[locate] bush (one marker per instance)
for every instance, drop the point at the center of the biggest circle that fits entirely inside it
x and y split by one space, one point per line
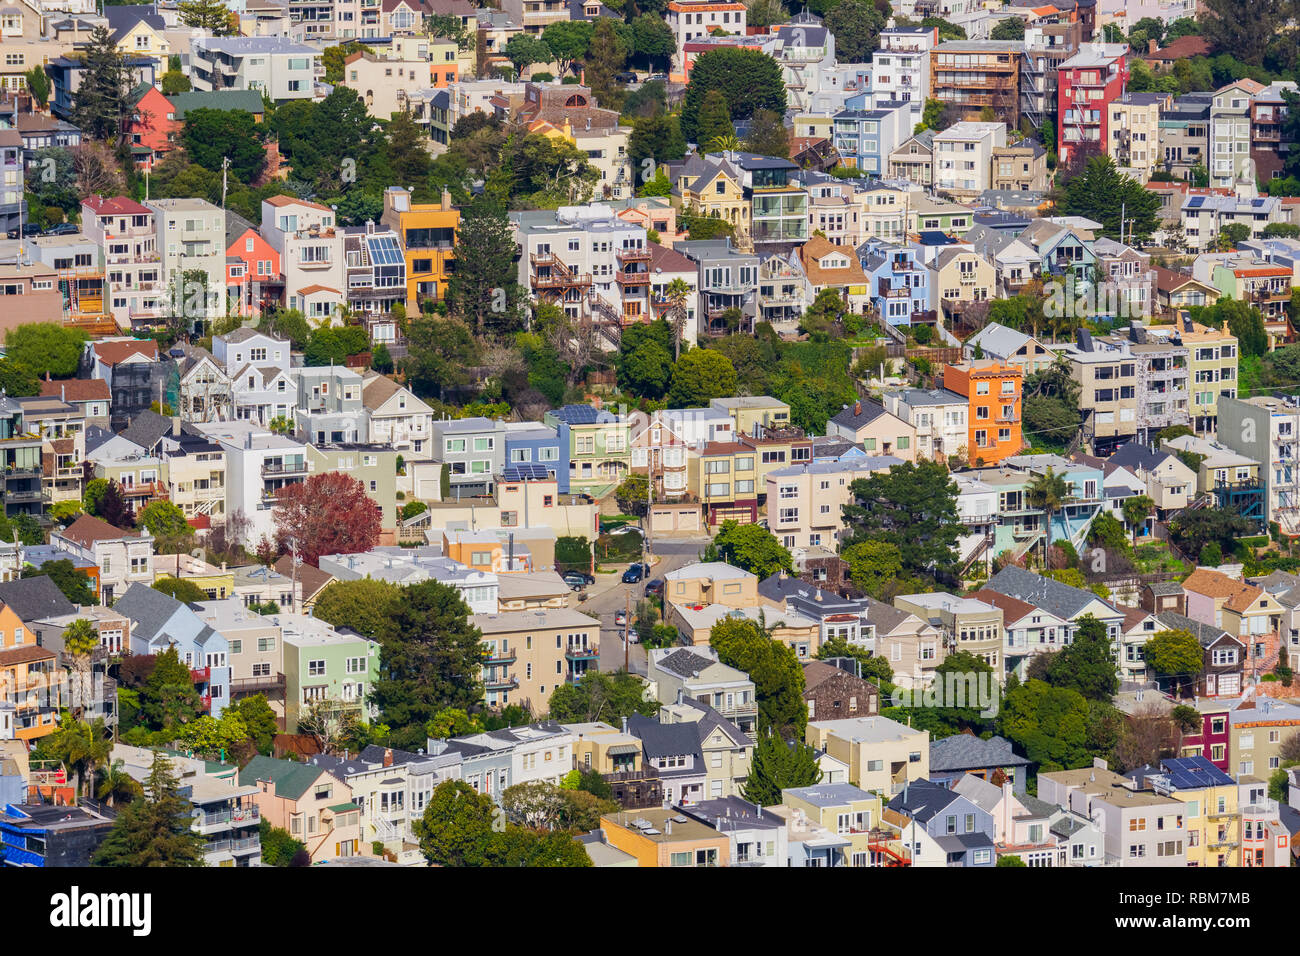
543 77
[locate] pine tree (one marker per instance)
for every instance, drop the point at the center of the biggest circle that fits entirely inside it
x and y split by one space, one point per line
154 830
715 120
606 57
211 15
100 103
777 766
483 289
407 157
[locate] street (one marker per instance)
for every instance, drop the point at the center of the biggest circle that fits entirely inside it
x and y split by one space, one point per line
609 594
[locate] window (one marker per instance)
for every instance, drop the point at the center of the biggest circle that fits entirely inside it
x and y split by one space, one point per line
315 668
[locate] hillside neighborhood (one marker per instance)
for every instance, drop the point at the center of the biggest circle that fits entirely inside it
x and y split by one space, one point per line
650 433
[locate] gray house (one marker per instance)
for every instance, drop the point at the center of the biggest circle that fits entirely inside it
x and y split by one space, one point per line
473 449
962 829
728 280
330 409
952 758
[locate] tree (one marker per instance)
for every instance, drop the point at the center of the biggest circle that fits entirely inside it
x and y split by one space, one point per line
1192 530
168 697
259 720
76 587
116 784
632 495
873 564
700 376
1136 511
1048 724
1087 663
601 696
645 363
101 102
1242 28
568 41
328 513
1100 192
678 293
914 508
753 548
173 82
715 120
457 827
524 49
483 290
772 666
856 25
653 41
278 847
154 830
80 746
80 641
748 79
210 15
605 58
430 658
1175 654
214 738
1009 859
182 590
768 135
210 136
779 765
1048 492
1008 28
516 847
360 605
38 84
44 348
166 522
110 504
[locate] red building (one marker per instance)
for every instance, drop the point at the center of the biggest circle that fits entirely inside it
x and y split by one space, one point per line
151 127
1087 83
1213 739
252 270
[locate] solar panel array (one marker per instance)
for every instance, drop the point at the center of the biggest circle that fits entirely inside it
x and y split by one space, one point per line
384 250
525 472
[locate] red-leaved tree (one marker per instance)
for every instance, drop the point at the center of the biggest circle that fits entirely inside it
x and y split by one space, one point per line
328 513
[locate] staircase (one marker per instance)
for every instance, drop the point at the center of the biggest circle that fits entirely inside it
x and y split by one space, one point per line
980 550
1024 547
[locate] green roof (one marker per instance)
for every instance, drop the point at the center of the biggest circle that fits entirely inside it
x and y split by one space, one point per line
343 807
291 779
250 101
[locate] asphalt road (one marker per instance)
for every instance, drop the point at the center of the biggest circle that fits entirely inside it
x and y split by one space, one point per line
609 595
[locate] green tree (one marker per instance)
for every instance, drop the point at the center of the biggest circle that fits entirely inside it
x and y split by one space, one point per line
457 826
430 658
1048 492
632 494
483 290
1008 28
753 548
605 58
80 746
914 508
214 738
210 15
1175 654
772 666
874 669
1100 192
154 830
1136 511
568 40
80 641
1010 859
102 100
439 352
174 82
715 120
76 587
700 376
44 348
38 84
210 136
1087 663
645 362
525 49
181 589
856 25
873 565
360 605
169 697
779 765
1048 724
259 720
278 847
166 522
748 79
1245 29
519 847
601 696
1193 530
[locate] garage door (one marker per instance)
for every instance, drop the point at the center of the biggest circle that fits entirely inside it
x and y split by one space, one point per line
1229 685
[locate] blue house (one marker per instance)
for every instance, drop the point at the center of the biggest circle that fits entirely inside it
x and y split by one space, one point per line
45 835
864 138
159 621
962 830
532 443
897 280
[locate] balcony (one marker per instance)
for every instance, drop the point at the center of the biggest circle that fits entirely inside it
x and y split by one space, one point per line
200 675
632 255
246 845
504 657
632 278
284 467
257 685
578 653
501 683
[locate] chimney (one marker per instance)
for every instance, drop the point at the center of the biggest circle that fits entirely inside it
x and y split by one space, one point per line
388 758
446 200
857 408
624 725
1151 46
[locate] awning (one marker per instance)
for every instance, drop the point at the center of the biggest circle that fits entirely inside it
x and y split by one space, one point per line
619 749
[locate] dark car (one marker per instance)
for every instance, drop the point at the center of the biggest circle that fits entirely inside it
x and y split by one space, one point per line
576 582
626 77
28 231
63 229
654 588
635 573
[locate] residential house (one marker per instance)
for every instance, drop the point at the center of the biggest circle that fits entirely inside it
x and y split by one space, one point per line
1140 828
953 759
882 755
942 827
833 692
310 804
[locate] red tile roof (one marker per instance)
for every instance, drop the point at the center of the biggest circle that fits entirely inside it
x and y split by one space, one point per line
117 206
76 389
110 353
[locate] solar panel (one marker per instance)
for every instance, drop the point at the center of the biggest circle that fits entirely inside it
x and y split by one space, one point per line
525 472
578 414
1196 202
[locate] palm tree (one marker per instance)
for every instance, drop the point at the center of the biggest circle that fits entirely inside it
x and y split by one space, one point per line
1048 491
1136 511
80 746
115 782
677 293
725 144
79 642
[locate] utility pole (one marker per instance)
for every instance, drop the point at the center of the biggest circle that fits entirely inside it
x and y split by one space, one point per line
225 165
627 633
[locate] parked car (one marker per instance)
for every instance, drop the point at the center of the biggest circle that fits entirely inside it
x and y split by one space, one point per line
625 77
28 231
654 588
635 573
657 77
630 636
576 582
63 229
620 618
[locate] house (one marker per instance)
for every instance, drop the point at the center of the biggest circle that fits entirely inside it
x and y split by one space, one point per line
132 370
325 669
1223 670
993 391
1245 611
1009 347
90 395
1140 828
882 754
310 804
1170 484
696 673
963 157
1213 819
674 751
852 816
397 418
942 827
1258 729
534 652
757 839
913 646
810 497
954 758
868 421
46 835
833 693
159 622
1068 603
124 558
277 66
726 752
1029 630
664 836
967 624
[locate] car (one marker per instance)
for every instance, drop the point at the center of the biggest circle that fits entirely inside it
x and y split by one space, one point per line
657 78
654 588
576 582
630 636
635 573
625 77
63 229
28 231
620 618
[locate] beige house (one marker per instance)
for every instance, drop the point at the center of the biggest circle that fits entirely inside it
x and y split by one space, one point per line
667 841
913 646
959 276
1020 167
1139 827
727 751
531 653
882 754
1134 127
1108 385
711 583
696 673
805 502
965 623
879 432
256 655
311 804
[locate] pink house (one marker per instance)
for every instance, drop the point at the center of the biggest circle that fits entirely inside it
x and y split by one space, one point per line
311 804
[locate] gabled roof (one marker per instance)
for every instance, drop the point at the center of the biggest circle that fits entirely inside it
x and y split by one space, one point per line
35 598
816 673
88 529
146 429
859 414
968 752
76 389
685 663
1238 595
1134 454
664 740
1061 599
921 800
111 353
116 205
291 779
1206 634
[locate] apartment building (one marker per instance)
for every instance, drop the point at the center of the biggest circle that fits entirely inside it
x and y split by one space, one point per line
902 66
966 623
1265 286
993 391
882 755
1134 128
1205 215
427 234
1266 429
805 502
1107 380
974 74
939 416
1019 167
311 248
693 19
534 652
190 236
866 138
279 67
1162 375
1141 828
728 279
1087 84
1212 357
1229 132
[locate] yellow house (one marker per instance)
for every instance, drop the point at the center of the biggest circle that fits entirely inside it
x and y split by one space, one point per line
428 233
882 754
850 813
961 276
818 127
1212 820
669 840
143 39
715 189
217 582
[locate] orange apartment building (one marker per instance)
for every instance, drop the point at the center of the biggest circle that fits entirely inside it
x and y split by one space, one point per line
993 392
